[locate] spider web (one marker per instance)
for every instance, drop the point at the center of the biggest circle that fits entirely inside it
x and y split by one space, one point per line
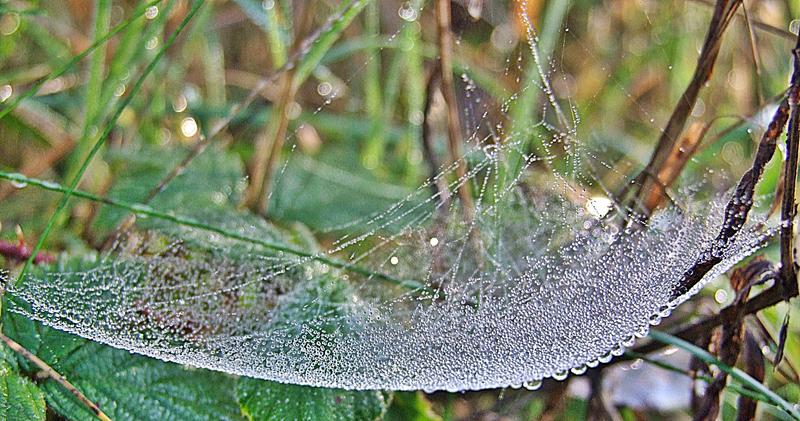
543 277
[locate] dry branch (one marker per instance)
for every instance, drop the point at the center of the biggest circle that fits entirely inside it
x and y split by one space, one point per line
723 13
50 373
268 147
678 157
789 207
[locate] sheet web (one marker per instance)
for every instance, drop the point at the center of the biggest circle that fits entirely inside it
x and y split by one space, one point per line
538 280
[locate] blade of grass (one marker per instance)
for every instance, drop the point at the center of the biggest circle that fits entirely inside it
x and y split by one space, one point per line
414 92
312 52
454 137
131 47
740 376
104 135
269 20
145 210
97 67
278 37
485 78
92 105
523 108
734 387
70 64
372 155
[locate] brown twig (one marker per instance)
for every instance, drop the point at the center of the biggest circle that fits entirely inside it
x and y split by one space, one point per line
599 407
438 184
678 157
723 12
445 38
50 373
753 364
767 341
270 142
259 86
789 207
698 370
555 401
729 343
698 329
739 206
268 147
754 52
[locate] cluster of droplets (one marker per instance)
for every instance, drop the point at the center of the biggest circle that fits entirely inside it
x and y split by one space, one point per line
527 284
497 305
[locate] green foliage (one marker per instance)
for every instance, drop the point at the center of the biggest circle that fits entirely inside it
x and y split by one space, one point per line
737 374
132 387
124 385
267 401
212 181
20 399
411 406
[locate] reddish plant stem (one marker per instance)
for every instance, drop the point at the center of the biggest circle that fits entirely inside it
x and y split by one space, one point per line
20 252
448 90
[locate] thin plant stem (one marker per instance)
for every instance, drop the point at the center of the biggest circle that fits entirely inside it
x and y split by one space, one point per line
737 374
50 373
145 210
723 13
311 52
454 139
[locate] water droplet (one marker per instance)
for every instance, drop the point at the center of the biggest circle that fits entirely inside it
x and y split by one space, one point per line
532 385
189 127
579 370
5 92
151 12
151 43
324 89
407 12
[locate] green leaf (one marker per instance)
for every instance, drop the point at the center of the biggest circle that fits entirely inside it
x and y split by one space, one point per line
133 387
411 406
125 386
20 399
210 182
265 401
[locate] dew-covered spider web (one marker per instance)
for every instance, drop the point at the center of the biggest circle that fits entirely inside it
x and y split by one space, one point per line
546 272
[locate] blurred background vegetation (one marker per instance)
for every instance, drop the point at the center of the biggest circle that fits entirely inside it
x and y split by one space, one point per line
354 117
